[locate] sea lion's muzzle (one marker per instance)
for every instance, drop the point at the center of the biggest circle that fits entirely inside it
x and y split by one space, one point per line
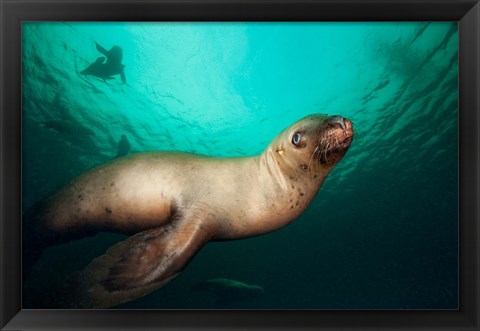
337 122
336 140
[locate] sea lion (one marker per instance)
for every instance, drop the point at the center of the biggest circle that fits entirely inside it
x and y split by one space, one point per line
228 291
174 203
123 146
68 127
113 65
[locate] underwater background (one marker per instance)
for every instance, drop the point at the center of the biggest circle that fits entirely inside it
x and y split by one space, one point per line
381 233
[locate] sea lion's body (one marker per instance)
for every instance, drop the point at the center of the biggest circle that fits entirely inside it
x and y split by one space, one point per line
175 203
145 190
108 66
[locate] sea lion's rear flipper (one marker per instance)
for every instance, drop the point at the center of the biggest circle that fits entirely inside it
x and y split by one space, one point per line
136 266
122 75
101 49
94 67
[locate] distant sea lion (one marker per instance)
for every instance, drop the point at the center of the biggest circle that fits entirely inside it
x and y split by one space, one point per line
106 70
123 146
68 127
174 203
227 291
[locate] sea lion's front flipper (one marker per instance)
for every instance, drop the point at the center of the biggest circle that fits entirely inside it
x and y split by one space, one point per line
136 266
122 75
101 49
155 255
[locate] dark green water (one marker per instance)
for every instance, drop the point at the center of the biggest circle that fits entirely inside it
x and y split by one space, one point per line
382 232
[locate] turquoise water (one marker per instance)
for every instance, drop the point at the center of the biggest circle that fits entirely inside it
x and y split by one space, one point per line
382 232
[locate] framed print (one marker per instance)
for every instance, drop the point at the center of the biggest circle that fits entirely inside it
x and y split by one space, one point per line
254 165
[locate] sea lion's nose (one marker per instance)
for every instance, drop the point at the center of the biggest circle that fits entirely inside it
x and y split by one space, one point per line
338 120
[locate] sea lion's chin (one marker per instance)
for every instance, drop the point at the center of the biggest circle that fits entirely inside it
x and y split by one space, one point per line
341 144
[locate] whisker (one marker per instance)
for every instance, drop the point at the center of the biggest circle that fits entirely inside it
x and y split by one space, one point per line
312 157
317 157
325 152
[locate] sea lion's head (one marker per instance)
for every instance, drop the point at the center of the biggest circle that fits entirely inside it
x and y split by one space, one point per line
315 144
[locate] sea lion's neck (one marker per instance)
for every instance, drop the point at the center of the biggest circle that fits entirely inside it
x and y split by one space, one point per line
268 164
286 193
285 171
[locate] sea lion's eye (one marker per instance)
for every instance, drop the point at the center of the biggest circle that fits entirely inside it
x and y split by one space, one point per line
296 139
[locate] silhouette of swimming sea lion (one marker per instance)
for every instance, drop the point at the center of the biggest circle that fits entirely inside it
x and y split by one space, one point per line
123 146
228 291
109 68
68 127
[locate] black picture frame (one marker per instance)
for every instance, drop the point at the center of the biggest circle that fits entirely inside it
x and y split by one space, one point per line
467 13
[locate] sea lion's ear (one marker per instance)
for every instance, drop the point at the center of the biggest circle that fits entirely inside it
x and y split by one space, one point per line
101 49
279 149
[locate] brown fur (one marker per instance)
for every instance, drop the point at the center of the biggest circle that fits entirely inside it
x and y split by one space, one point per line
175 203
